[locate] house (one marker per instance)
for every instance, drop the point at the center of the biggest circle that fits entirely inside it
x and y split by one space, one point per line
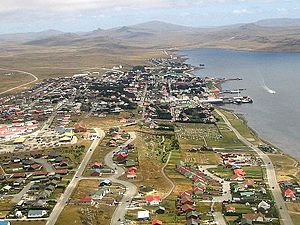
186 200
246 221
249 183
19 175
80 127
192 222
86 200
289 195
98 195
160 210
96 173
230 209
192 215
237 178
156 222
4 222
256 217
187 208
263 206
153 200
239 172
143 215
36 213
19 182
62 172
131 174
105 182
97 165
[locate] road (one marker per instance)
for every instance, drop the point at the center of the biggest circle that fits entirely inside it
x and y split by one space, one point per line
62 202
47 166
167 178
271 175
18 197
131 189
226 196
22 85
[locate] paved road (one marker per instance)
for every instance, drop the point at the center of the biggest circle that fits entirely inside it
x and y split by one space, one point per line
225 184
62 202
47 166
131 189
22 85
18 197
271 175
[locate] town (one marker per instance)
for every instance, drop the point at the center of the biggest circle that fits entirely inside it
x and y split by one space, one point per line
147 145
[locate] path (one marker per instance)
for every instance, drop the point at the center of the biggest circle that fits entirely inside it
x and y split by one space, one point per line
22 85
62 202
167 178
271 175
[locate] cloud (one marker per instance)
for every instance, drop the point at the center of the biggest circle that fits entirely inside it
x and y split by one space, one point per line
241 11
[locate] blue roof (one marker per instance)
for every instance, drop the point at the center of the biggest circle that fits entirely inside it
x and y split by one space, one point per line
3 222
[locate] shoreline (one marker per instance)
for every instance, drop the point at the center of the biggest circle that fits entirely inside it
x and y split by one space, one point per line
239 115
249 50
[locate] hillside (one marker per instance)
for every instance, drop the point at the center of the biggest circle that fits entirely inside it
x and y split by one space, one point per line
253 36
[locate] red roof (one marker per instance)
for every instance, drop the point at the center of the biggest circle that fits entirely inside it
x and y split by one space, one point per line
132 168
86 199
152 198
239 172
65 171
133 173
98 164
156 222
289 193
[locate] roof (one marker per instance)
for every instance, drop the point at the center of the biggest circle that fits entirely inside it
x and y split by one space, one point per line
3 222
19 140
143 214
239 172
86 199
152 198
156 222
289 193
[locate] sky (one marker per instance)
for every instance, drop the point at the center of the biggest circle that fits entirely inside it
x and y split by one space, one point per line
85 15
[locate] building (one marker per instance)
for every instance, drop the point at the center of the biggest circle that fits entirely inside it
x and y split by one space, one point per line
36 213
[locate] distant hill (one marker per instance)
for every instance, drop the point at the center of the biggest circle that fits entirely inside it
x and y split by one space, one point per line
24 37
281 22
272 34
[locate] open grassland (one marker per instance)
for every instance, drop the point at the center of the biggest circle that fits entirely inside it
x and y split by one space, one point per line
46 62
100 213
286 167
151 153
111 120
10 80
241 126
6 206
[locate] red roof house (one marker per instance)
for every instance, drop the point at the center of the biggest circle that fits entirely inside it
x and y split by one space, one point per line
156 222
153 200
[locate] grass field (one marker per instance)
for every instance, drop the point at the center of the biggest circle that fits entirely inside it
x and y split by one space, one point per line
13 80
150 152
45 62
100 213
286 167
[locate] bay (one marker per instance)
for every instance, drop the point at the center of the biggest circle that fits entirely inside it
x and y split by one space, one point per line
272 79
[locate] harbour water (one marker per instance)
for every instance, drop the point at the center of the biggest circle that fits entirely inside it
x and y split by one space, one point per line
272 79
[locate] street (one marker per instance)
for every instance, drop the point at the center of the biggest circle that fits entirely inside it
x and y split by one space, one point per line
271 175
62 202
